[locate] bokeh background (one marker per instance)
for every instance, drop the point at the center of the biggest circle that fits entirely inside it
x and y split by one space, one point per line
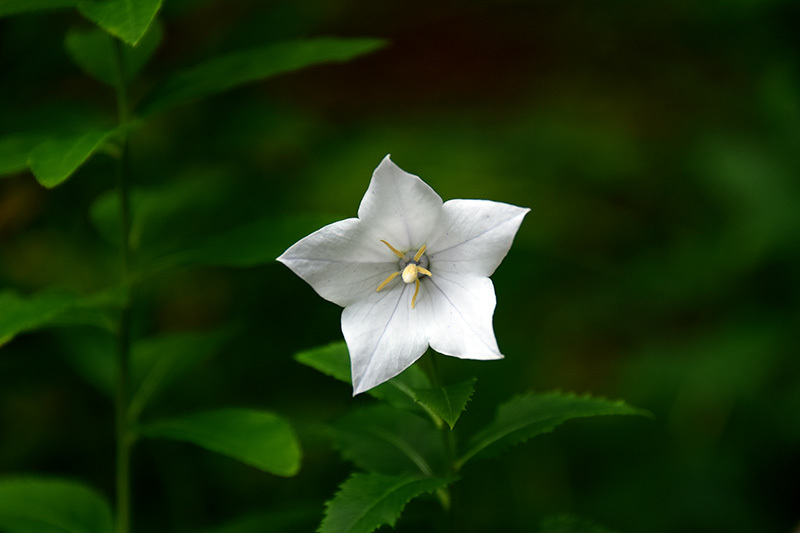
657 147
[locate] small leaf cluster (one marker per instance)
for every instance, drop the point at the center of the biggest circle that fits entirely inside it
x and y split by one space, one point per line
404 445
113 44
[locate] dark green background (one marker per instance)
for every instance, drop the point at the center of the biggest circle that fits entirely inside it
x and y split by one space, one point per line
657 147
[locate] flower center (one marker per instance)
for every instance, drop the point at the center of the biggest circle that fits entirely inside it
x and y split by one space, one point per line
411 268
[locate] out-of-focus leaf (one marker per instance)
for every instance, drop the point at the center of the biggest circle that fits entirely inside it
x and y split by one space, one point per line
447 402
571 524
235 69
256 243
93 51
289 518
126 19
15 7
15 151
40 505
92 353
159 214
390 441
157 361
334 360
257 438
48 308
55 160
529 415
367 501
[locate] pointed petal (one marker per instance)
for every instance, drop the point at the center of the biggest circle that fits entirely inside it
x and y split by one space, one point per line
461 322
400 207
384 335
475 236
338 264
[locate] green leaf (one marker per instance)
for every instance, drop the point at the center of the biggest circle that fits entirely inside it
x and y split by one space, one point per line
126 19
235 69
390 441
49 308
93 51
40 505
334 360
15 150
16 7
55 160
157 361
257 438
529 415
447 402
367 501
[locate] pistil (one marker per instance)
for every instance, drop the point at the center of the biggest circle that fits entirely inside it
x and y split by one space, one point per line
410 272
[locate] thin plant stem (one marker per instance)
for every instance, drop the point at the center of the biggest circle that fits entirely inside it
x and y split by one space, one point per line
448 441
123 433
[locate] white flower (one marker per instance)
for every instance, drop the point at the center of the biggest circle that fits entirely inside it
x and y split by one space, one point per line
410 272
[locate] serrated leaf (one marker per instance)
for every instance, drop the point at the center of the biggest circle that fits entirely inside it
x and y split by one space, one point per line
55 160
390 441
529 415
334 360
257 438
41 505
48 308
93 51
126 19
367 501
16 7
158 360
447 402
235 69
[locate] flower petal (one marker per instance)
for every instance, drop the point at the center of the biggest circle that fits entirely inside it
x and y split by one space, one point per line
337 262
400 207
384 335
460 323
475 236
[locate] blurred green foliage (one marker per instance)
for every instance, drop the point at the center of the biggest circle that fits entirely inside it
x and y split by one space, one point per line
656 145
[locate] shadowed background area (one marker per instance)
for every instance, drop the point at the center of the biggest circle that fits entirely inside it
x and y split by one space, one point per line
656 146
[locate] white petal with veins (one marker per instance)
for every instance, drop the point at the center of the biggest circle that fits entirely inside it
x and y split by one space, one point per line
475 236
406 239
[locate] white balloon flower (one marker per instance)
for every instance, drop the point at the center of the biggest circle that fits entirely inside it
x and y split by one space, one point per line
410 272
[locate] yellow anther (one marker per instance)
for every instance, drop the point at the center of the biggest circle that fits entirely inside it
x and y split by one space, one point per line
410 273
387 280
395 251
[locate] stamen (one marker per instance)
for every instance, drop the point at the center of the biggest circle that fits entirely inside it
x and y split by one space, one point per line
395 251
424 271
419 254
416 291
387 280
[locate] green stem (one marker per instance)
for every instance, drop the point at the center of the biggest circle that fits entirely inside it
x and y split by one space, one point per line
124 436
448 441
